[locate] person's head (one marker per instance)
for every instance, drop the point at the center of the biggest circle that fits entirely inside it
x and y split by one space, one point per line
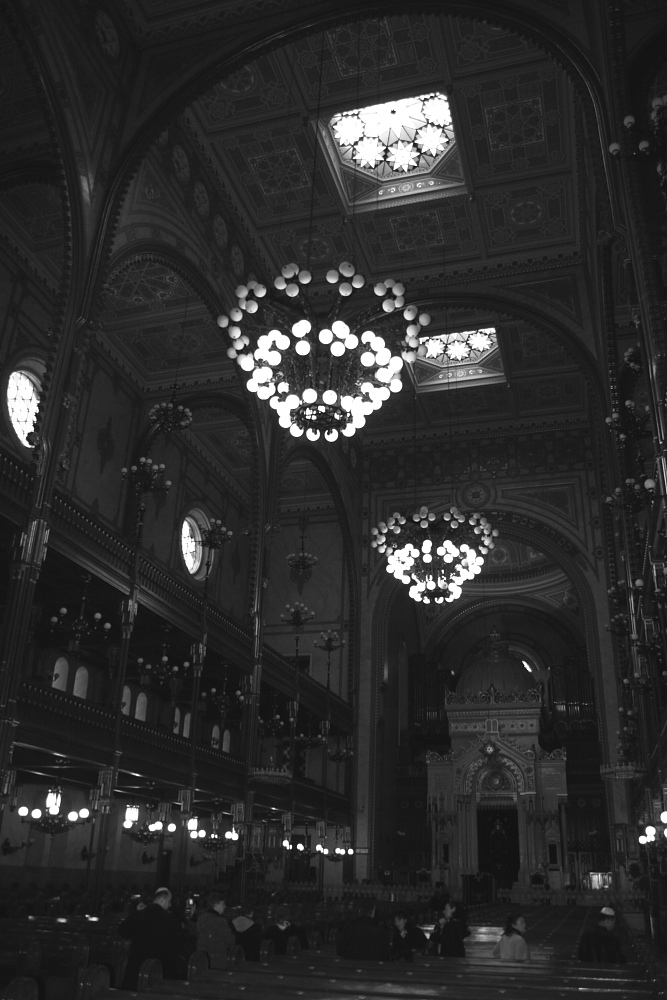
515 923
449 911
400 920
162 897
282 916
214 901
607 918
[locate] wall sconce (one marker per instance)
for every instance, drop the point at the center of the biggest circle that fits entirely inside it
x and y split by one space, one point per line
53 823
9 848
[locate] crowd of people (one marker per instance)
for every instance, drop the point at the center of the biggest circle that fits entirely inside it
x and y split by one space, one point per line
155 932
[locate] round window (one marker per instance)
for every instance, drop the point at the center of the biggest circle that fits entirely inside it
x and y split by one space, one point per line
191 544
23 393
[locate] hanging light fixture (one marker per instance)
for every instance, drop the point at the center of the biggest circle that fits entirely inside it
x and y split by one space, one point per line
434 554
301 563
322 373
167 417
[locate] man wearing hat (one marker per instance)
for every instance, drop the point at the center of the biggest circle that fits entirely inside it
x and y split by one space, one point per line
601 944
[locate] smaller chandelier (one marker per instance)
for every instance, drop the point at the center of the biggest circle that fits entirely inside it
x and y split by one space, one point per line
434 555
322 374
301 563
171 416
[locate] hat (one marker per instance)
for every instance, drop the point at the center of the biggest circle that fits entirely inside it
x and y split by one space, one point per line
607 911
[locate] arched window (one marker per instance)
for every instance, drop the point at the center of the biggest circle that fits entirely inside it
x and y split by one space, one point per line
141 706
60 674
215 737
226 741
23 389
176 726
186 725
125 701
80 683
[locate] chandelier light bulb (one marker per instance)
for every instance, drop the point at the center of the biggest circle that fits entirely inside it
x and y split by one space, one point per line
346 368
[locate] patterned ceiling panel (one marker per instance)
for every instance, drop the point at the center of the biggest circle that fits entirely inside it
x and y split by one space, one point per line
141 287
535 213
529 349
247 95
274 166
430 233
514 124
472 43
390 52
514 557
153 320
563 392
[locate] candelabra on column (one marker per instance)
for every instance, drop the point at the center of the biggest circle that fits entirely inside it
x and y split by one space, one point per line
297 617
146 478
213 538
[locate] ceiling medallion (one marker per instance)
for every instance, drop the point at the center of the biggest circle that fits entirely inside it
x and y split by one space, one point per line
432 554
323 374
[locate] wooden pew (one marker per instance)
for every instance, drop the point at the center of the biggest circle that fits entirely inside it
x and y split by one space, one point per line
19 988
385 981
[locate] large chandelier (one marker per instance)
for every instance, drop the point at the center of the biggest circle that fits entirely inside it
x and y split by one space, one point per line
323 374
434 554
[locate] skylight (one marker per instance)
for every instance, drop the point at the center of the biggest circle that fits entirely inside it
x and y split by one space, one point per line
395 138
463 346
464 357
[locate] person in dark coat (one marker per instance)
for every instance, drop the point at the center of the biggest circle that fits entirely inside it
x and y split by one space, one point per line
153 932
447 936
601 944
214 935
407 939
282 931
363 938
248 934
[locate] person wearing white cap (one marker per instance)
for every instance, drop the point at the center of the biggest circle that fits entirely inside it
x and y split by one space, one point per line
601 944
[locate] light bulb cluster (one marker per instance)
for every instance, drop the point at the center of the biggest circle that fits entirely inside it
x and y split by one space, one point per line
322 375
434 554
650 831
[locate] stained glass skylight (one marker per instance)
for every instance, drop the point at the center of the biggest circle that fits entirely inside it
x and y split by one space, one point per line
395 138
461 347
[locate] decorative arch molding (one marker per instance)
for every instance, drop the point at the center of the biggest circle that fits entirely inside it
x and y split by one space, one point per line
473 608
546 35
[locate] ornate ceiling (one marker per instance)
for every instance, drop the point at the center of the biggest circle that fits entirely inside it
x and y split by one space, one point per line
238 182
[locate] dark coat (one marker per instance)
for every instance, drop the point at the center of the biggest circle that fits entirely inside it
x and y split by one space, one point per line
403 945
215 937
447 939
153 933
280 936
363 938
600 945
249 935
